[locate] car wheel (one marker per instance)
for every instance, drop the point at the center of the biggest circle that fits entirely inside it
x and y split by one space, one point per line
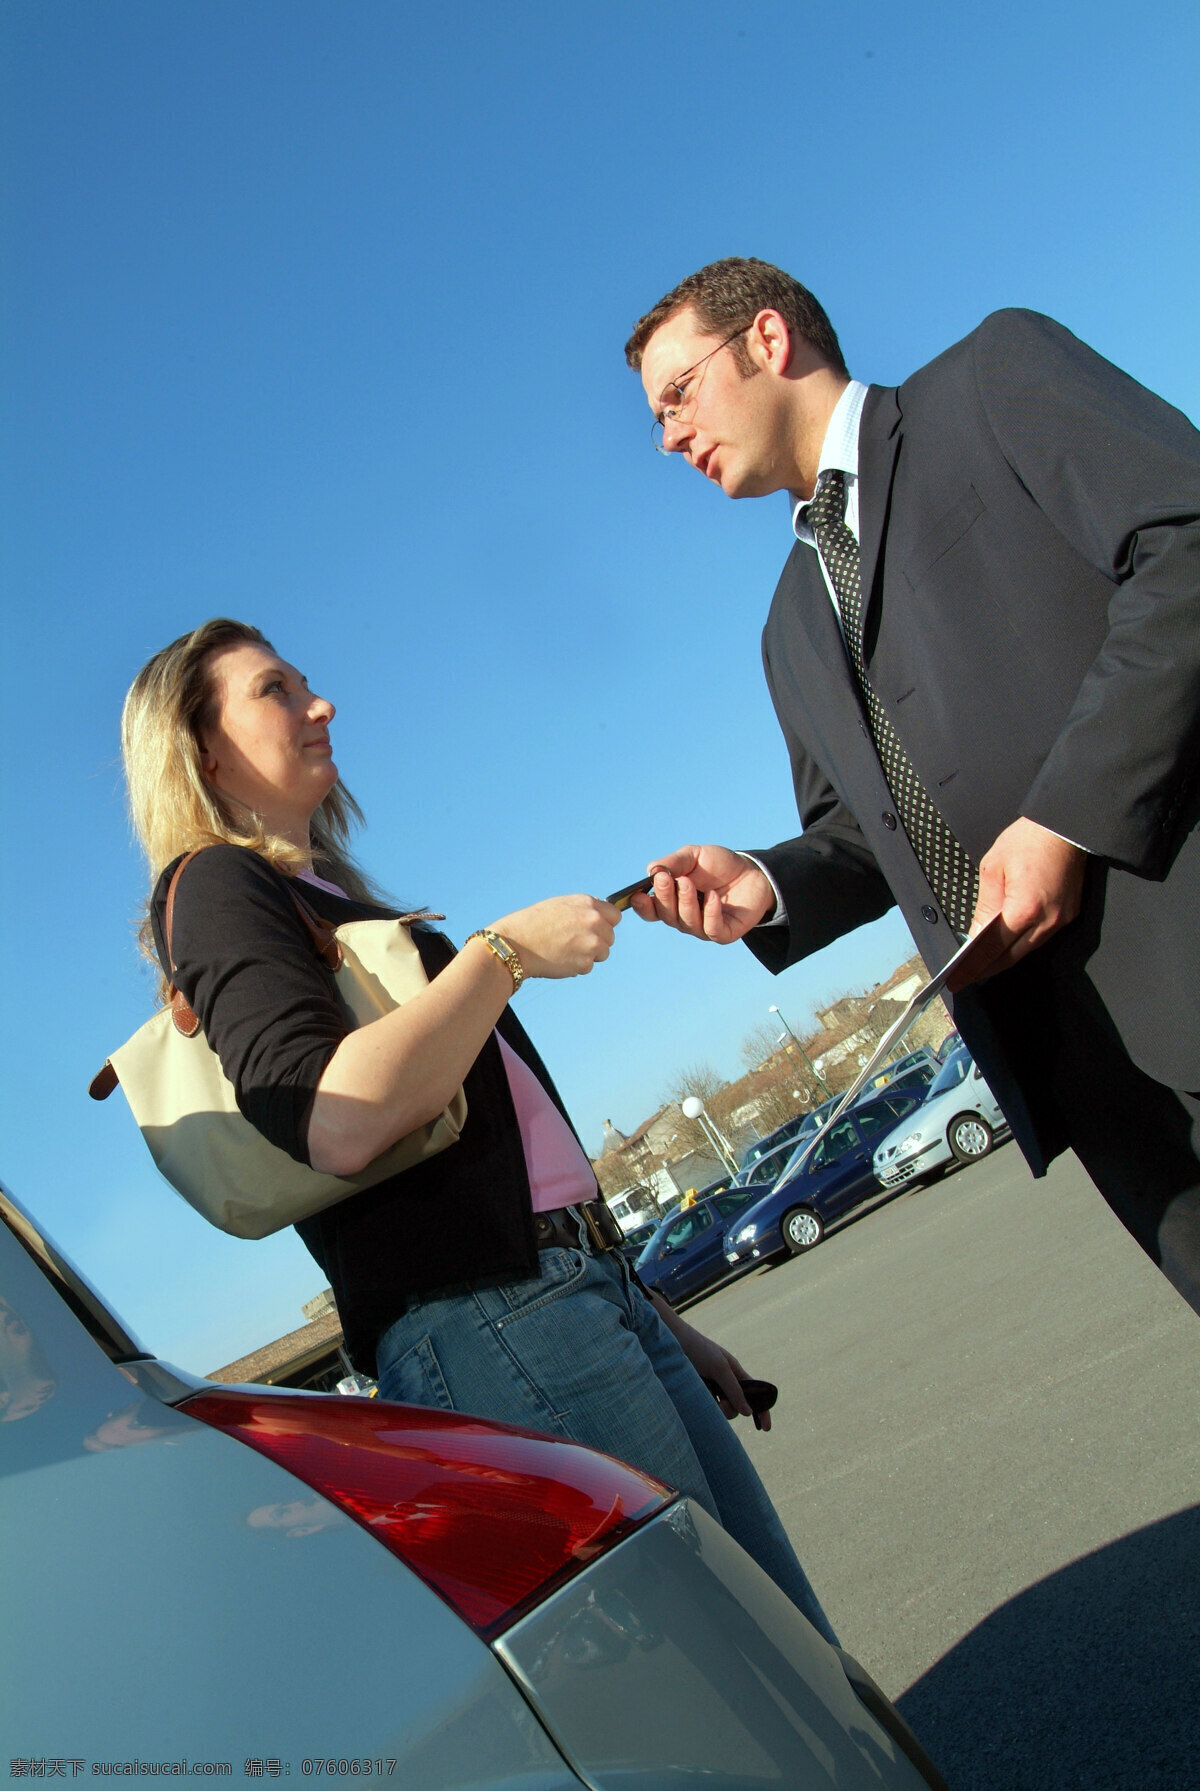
969 1137
803 1229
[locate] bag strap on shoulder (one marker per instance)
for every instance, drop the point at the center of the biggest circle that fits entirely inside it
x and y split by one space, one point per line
321 932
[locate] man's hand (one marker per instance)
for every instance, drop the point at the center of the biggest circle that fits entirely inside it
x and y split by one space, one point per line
1034 881
708 892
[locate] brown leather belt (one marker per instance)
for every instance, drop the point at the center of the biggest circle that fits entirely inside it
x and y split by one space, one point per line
588 1226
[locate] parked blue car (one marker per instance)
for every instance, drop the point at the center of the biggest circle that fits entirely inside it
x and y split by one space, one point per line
818 1183
686 1254
765 1162
787 1133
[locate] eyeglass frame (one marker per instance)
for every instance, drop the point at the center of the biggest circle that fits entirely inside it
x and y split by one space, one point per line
665 415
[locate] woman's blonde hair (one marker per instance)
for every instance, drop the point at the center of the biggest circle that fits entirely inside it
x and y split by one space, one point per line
173 806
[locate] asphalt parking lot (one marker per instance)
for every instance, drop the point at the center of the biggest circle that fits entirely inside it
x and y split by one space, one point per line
987 1450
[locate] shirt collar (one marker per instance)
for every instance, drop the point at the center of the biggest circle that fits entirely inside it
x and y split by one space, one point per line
839 450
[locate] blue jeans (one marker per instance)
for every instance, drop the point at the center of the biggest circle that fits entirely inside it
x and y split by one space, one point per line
579 1352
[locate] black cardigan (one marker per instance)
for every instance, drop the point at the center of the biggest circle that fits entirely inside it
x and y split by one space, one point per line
247 967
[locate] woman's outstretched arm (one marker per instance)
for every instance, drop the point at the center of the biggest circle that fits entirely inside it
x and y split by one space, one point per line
386 1079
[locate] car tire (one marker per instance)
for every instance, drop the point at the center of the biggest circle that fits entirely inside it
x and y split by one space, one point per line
802 1229
969 1137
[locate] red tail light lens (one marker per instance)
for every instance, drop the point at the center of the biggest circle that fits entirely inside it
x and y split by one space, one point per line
493 1518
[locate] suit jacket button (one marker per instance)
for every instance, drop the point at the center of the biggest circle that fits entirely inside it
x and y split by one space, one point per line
889 820
929 913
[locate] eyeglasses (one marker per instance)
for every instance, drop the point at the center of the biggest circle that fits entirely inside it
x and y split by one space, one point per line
672 410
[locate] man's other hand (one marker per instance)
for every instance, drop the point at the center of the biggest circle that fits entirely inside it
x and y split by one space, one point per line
1034 881
707 891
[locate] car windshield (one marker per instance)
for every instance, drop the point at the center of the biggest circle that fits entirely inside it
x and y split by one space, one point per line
768 1167
783 1134
951 1072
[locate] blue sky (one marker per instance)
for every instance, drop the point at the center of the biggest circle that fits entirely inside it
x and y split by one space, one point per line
314 316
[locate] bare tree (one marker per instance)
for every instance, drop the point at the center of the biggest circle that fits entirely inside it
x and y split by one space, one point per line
695 1079
760 1045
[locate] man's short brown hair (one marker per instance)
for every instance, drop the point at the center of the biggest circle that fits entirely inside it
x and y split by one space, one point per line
731 292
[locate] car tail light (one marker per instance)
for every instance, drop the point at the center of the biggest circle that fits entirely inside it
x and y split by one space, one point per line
492 1518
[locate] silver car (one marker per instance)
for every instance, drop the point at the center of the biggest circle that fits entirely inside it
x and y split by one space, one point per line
248 1583
958 1121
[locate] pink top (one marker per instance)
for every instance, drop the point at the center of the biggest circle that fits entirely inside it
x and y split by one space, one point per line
559 1173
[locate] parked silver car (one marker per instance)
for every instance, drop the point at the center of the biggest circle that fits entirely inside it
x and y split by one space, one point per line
246 1583
958 1121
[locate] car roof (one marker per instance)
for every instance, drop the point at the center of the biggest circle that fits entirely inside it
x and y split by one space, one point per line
702 1194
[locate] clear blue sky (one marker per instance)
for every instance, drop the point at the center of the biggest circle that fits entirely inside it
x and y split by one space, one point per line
314 313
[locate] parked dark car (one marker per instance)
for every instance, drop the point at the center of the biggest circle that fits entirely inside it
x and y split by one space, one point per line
761 1177
686 1254
914 1072
767 1169
763 1147
636 1239
820 1182
766 1161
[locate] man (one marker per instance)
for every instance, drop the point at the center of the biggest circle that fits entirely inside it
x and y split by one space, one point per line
984 653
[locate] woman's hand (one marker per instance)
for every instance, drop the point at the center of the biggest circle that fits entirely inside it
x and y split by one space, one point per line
564 936
712 1363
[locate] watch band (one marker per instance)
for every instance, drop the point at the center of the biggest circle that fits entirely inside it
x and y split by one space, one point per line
500 948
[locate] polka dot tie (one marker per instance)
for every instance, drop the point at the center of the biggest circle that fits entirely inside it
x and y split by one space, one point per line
952 877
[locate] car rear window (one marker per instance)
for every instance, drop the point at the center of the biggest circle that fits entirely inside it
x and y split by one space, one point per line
952 1072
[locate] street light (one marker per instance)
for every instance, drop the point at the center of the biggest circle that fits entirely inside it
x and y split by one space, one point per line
693 1108
804 1054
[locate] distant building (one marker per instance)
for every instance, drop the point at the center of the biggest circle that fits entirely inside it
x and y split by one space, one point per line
311 1359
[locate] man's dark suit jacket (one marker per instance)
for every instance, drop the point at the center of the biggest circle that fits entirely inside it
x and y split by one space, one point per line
1030 550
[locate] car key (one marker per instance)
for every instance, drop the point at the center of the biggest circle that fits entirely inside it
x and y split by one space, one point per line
623 897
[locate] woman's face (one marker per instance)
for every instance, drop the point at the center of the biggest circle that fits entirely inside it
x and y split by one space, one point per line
267 745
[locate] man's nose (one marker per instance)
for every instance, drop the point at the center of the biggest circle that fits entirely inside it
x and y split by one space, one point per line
677 432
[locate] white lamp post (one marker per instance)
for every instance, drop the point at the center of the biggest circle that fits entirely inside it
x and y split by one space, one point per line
693 1108
804 1054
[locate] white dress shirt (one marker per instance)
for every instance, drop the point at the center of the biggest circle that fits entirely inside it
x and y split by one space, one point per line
839 451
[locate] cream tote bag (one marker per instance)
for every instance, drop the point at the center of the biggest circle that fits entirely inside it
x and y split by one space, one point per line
188 1112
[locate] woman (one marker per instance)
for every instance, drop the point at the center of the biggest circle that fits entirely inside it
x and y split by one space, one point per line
472 1281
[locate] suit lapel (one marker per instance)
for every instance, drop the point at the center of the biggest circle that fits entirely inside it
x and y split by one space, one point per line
879 437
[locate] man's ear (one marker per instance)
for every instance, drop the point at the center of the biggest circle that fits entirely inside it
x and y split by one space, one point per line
770 342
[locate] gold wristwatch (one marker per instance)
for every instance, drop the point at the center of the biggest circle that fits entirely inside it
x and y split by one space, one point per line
500 948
